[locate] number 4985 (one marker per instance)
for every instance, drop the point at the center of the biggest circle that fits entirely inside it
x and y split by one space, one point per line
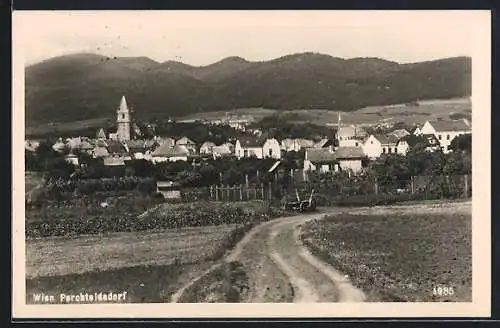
443 291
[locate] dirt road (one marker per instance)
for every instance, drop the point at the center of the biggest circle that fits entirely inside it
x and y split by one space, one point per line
280 269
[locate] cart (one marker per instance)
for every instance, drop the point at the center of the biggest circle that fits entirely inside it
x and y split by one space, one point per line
306 205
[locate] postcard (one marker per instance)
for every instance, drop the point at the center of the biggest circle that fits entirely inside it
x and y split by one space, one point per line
238 164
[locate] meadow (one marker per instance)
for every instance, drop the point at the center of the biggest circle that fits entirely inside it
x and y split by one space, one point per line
399 256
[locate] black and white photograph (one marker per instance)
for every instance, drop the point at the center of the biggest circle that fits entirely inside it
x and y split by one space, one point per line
271 157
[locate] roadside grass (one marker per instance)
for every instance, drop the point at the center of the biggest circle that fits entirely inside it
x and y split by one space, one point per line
399 256
150 266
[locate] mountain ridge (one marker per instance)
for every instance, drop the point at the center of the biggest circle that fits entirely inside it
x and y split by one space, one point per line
84 86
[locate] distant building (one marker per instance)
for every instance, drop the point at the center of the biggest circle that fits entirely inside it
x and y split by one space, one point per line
258 147
445 131
376 145
187 144
350 136
319 159
400 133
207 148
165 153
350 158
123 122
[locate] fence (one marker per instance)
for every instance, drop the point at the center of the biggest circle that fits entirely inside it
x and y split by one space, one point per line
428 187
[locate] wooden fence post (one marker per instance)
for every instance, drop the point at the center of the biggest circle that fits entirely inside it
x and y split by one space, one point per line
246 180
227 193
241 193
270 192
211 192
248 192
376 186
216 193
412 185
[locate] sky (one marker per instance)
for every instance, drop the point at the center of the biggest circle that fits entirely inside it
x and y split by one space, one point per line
203 37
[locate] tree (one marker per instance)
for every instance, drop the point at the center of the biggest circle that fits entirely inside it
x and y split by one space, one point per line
462 143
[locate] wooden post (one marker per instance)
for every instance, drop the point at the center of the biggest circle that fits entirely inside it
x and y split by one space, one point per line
211 192
262 191
216 193
376 186
220 177
248 192
227 193
412 185
270 192
246 180
241 193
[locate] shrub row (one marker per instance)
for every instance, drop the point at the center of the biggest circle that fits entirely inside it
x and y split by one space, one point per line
78 217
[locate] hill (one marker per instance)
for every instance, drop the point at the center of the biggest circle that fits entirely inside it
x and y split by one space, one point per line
88 86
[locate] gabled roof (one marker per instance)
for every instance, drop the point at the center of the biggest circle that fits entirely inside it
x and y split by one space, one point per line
445 126
412 140
251 142
349 153
320 155
101 134
386 139
166 151
135 144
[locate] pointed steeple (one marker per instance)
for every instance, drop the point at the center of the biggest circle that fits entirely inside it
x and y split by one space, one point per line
123 105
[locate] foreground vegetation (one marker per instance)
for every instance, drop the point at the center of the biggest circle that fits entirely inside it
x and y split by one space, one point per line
398 257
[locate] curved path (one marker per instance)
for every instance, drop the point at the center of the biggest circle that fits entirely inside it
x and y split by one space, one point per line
280 269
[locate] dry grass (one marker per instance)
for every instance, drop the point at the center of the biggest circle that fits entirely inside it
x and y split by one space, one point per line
63 256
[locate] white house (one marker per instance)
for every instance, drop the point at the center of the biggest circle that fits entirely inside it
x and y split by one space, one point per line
446 131
258 147
223 150
165 153
376 145
296 144
207 148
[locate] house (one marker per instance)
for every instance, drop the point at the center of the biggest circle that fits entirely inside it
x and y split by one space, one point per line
321 159
350 136
117 153
350 158
188 144
166 153
258 147
446 130
59 146
224 150
376 145
417 131
400 133
428 141
207 148
136 147
325 143
101 134
71 158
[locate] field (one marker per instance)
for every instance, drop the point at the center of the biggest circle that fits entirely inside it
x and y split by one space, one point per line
161 261
427 110
394 255
75 245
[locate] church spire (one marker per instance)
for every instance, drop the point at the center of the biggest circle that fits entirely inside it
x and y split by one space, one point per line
123 105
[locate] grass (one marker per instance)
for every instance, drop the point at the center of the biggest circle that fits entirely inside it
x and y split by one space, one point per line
161 261
398 256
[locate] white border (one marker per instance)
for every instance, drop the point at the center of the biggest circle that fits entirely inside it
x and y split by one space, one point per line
479 307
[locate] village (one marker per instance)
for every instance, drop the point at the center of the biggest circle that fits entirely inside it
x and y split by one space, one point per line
342 151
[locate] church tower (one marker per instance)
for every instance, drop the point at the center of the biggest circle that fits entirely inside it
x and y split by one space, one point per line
123 121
